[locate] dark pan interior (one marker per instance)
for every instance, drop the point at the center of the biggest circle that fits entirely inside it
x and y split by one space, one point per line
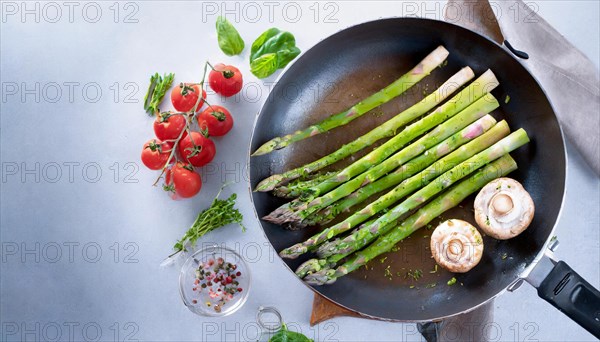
358 61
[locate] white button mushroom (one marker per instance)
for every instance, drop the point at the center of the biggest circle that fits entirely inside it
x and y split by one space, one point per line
456 245
503 208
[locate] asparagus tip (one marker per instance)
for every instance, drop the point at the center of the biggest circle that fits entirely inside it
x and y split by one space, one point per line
293 252
283 216
269 183
265 148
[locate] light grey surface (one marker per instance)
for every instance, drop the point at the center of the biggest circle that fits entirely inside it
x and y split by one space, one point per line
122 293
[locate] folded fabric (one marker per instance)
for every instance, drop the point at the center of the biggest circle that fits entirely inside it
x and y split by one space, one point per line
568 77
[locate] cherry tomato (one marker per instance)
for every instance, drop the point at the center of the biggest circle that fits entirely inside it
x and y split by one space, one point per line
225 79
199 155
184 97
216 119
183 181
155 154
169 127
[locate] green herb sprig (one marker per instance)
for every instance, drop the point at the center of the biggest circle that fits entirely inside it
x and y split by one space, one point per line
156 92
220 213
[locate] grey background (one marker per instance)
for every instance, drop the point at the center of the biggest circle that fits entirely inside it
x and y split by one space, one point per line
81 251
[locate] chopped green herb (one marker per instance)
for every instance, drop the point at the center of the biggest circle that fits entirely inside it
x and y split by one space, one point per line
428 286
452 281
411 287
435 269
504 256
507 99
487 220
378 113
382 260
387 273
415 275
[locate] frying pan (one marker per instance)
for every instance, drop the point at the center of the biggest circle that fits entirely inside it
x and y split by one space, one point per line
352 64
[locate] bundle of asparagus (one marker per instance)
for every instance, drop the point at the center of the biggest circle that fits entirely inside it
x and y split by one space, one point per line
427 157
300 209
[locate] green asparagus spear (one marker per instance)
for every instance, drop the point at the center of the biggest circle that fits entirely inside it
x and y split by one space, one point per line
423 216
474 91
406 81
475 111
406 187
294 188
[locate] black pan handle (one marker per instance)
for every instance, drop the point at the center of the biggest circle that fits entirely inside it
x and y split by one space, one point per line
518 53
572 295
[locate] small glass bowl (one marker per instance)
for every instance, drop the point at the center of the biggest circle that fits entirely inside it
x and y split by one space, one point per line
199 301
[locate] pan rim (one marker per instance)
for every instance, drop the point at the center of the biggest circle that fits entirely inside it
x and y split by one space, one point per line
540 254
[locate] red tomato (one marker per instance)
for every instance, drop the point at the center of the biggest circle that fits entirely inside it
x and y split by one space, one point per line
184 97
168 127
225 80
216 119
155 154
199 155
183 181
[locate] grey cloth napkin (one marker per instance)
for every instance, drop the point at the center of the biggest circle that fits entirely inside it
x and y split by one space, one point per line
569 78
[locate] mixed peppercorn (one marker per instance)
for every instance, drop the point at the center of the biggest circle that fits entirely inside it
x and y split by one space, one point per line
220 279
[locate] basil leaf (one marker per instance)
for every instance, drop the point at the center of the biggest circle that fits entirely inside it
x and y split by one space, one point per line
261 40
284 57
282 44
264 66
284 335
230 41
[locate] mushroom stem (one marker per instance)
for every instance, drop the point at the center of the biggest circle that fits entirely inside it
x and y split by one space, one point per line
503 208
502 204
456 245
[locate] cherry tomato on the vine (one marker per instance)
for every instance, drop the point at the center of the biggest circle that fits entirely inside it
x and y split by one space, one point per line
168 126
225 79
185 95
216 119
155 154
197 149
182 181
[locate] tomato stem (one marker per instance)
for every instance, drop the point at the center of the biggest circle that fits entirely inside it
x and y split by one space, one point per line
228 73
210 65
189 116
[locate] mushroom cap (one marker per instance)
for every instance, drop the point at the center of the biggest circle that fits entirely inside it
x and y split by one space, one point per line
456 245
503 208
